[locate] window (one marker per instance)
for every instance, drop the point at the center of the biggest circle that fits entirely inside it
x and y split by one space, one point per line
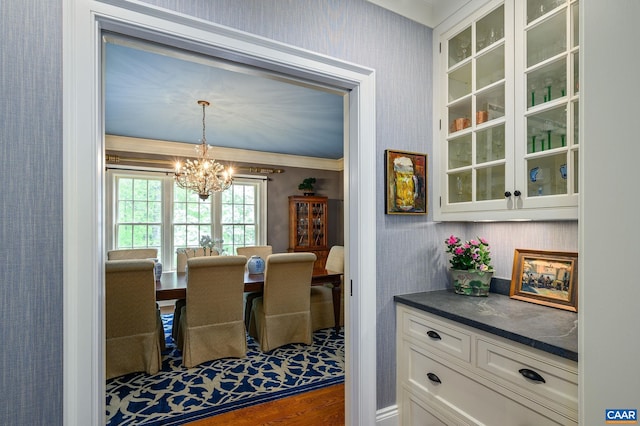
239 217
138 213
149 210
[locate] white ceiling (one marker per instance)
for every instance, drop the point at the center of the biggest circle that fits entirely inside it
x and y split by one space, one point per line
427 12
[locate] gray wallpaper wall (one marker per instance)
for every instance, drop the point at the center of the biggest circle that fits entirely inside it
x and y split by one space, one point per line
410 249
31 213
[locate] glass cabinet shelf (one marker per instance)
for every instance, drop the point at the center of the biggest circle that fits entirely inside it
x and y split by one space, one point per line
460 82
490 29
490 67
539 8
548 82
459 47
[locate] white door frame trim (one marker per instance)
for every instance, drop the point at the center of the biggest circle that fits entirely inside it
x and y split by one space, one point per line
83 162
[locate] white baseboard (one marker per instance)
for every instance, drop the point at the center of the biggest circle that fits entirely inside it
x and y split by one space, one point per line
387 416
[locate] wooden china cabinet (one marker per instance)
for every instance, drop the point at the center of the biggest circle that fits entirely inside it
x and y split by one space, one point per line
308 226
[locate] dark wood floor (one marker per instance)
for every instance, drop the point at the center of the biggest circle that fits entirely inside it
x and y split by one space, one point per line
320 407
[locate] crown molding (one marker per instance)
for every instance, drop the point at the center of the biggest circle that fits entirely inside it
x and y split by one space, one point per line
181 150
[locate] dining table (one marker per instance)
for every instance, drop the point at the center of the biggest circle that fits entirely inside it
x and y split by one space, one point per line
173 285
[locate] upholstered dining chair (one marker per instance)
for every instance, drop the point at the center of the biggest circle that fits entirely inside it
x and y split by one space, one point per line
134 332
143 253
322 297
282 314
211 322
184 254
248 251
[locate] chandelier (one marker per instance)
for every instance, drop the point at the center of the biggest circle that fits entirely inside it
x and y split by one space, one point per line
203 175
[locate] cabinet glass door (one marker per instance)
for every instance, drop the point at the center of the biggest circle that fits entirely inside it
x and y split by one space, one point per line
302 229
476 110
317 219
551 101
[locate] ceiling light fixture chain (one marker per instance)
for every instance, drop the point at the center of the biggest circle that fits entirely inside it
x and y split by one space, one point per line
203 175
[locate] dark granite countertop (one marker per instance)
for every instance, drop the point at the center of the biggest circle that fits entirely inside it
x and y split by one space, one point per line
548 329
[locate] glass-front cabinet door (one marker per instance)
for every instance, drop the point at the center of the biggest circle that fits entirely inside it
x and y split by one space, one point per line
547 113
506 92
478 110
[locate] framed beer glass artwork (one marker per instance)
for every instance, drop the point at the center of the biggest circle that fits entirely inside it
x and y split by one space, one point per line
405 182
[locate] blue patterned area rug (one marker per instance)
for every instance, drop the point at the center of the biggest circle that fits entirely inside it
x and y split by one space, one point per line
178 395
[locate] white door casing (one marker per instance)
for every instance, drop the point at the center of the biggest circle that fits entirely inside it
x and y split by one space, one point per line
83 162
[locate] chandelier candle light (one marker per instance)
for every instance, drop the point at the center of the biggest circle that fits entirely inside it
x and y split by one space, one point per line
204 175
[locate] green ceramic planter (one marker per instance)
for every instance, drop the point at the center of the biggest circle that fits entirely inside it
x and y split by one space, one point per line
471 282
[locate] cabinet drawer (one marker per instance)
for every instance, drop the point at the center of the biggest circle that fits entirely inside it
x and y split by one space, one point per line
437 335
560 378
415 412
468 397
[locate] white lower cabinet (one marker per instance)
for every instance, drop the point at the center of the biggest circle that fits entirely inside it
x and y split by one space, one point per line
451 374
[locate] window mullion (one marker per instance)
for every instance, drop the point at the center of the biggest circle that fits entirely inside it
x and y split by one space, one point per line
216 216
168 252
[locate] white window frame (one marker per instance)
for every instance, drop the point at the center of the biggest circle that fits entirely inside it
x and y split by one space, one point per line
168 246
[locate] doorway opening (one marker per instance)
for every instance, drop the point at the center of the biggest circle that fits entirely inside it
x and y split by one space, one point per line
84 182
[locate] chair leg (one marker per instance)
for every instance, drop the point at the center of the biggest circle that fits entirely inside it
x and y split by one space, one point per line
248 305
180 303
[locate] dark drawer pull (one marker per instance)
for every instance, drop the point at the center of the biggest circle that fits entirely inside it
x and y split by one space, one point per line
433 378
433 335
531 375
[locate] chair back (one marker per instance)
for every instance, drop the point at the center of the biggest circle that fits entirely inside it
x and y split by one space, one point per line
322 304
283 314
212 322
248 251
188 253
287 279
144 253
133 329
335 259
215 286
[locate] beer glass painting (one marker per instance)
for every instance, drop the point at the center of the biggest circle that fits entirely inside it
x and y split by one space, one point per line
406 182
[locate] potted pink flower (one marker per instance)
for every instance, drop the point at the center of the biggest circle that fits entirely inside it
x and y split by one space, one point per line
471 269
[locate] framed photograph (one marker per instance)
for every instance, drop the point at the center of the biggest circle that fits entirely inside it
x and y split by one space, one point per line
405 182
548 278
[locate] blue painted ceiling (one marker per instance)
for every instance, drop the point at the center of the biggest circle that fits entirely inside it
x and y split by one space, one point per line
152 93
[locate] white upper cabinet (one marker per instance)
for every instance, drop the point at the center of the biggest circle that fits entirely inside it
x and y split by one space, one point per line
506 112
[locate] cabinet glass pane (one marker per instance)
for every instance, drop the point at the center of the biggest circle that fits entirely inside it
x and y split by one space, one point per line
460 82
575 170
576 123
318 223
302 230
460 152
490 104
490 67
490 29
547 83
460 47
547 175
547 130
547 39
576 73
459 114
490 183
575 24
490 144
538 8
460 187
